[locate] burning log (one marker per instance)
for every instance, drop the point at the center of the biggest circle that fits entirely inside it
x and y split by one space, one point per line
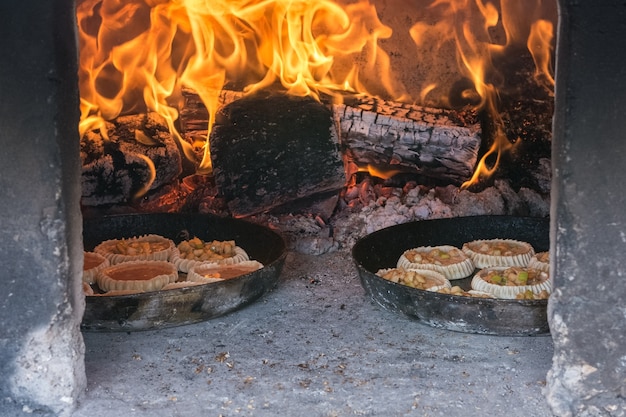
138 155
435 143
272 149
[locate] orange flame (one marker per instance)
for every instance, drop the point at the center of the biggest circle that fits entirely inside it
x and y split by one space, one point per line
379 172
476 45
138 54
540 46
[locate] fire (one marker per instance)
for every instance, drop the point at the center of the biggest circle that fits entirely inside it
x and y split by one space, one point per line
138 55
539 44
476 44
380 172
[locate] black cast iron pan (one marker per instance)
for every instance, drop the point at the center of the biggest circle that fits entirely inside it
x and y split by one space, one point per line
382 249
160 309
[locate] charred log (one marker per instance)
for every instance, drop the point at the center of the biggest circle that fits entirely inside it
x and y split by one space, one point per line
117 166
271 149
433 143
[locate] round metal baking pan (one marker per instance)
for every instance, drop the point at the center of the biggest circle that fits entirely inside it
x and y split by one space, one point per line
175 307
382 249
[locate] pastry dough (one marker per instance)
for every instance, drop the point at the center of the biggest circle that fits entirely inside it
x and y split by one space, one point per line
215 272
421 279
190 253
498 252
508 282
143 248
540 261
452 262
92 263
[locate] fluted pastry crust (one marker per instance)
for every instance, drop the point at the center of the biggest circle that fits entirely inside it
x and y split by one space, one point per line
508 282
540 261
142 248
452 262
92 263
498 252
421 279
188 254
214 272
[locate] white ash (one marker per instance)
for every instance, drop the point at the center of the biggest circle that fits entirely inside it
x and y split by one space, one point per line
366 212
303 233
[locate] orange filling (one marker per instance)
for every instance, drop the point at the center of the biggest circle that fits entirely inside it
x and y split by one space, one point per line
142 272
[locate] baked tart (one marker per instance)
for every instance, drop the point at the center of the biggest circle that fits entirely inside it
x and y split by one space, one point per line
207 272
540 261
452 262
508 282
422 279
92 263
189 253
498 252
139 276
142 248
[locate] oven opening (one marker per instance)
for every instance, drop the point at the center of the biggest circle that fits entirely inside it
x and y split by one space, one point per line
323 123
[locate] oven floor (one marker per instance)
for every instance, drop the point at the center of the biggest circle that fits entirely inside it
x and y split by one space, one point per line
314 346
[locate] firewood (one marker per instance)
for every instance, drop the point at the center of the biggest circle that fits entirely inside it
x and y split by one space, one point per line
117 170
193 116
272 149
440 144
436 143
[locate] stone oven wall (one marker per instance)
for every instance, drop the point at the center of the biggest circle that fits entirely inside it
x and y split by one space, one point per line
41 299
588 238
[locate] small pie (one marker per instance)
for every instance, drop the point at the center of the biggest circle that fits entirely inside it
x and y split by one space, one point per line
137 276
508 282
92 263
540 261
422 279
498 252
215 272
142 248
452 262
189 253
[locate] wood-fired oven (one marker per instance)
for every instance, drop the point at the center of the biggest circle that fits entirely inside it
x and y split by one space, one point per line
42 303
